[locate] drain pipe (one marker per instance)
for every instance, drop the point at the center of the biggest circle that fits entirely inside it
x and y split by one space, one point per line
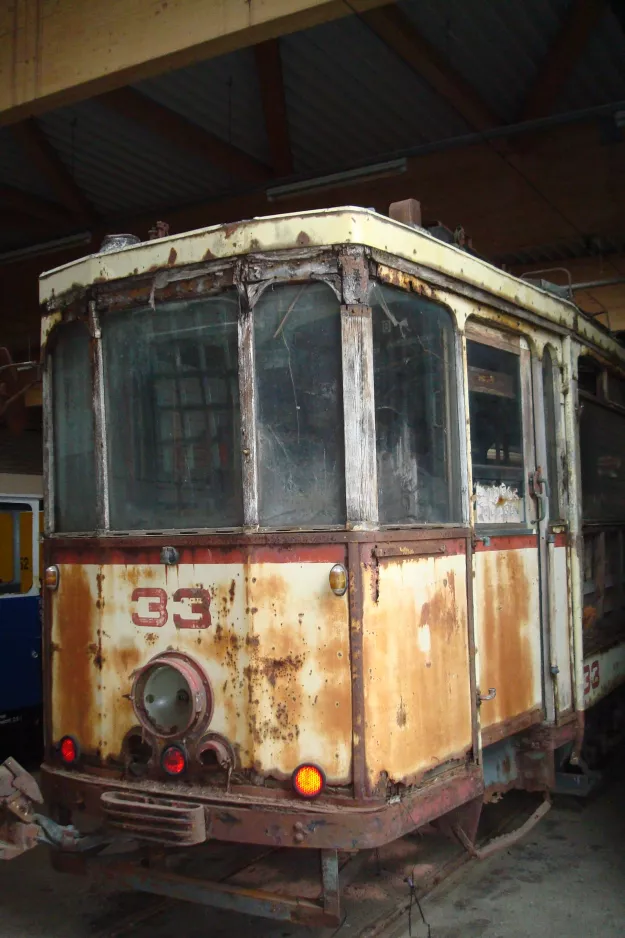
595 284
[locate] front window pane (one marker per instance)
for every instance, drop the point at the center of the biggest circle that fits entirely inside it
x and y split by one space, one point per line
496 433
415 409
173 416
297 340
74 436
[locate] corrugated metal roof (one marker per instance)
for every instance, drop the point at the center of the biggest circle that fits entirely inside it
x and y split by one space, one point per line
222 95
563 251
17 171
497 47
600 74
350 101
350 98
21 452
122 167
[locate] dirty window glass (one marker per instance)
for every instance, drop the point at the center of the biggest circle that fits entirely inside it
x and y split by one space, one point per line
551 434
415 409
496 433
602 451
297 340
173 416
74 435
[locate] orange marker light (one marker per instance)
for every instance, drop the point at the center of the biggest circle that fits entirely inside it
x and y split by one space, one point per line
308 781
51 577
338 579
173 761
69 750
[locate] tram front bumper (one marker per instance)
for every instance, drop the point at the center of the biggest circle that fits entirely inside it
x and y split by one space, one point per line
172 814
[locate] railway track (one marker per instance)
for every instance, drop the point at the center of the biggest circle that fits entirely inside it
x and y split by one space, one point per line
376 892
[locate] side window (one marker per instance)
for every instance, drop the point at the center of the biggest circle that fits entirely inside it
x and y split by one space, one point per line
496 433
415 409
16 549
301 463
551 407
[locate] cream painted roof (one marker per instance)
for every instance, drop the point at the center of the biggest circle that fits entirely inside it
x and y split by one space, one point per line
346 225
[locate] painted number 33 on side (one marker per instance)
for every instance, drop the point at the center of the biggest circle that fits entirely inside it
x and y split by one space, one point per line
191 607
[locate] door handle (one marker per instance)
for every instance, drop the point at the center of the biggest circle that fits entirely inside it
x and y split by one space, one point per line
492 693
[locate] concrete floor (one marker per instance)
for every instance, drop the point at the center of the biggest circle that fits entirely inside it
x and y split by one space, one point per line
567 878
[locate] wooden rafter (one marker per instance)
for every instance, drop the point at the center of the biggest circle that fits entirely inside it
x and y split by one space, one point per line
563 56
25 203
183 133
38 149
271 82
398 32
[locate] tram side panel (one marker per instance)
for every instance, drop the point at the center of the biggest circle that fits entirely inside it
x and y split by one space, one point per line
602 448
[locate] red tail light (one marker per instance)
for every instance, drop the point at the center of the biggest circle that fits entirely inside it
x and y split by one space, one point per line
173 760
308 781
69 751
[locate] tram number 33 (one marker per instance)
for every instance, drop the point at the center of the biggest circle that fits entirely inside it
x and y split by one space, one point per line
192 607
591 677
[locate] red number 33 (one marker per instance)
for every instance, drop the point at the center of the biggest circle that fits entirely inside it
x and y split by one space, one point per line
199 607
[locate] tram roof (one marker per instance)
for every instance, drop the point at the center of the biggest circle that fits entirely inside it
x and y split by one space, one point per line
325 228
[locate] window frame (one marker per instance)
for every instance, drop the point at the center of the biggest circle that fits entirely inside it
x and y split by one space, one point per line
336 270
31 504
476 331
454 411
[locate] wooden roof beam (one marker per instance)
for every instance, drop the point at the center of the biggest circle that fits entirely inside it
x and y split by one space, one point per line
398 32
38 149
562 58
271 81
183 133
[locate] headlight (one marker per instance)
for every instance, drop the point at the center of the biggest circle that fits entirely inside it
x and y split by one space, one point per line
171 696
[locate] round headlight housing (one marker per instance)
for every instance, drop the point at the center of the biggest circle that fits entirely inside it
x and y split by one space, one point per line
171 696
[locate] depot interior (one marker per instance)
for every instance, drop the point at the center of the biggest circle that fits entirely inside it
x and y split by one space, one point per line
505 121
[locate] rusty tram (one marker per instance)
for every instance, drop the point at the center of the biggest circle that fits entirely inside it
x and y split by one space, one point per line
334 545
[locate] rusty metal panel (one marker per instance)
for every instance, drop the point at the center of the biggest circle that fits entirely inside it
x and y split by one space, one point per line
508 631
273 641
416 665
561 628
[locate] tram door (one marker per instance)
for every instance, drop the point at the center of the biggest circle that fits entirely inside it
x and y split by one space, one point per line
507 581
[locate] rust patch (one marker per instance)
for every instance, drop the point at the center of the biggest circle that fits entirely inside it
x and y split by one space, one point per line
173 255
125 659
506 651
151 638
74 708
100 600
415 666
95 650
232 590
275 668
302 239
230 229
208 255
589 616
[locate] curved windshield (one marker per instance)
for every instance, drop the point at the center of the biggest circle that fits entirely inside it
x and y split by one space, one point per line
297 342
415 409
173 416
74 433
